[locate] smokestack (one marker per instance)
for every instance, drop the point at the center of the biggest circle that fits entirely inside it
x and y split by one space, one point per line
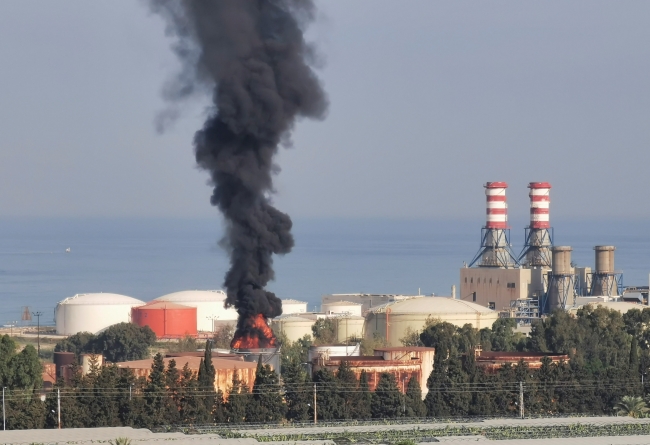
495 236
539 234
251 58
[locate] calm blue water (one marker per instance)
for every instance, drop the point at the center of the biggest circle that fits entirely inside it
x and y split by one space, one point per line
148 258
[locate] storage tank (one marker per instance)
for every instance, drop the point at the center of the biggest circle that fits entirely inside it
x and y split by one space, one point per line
393 320
327 351
93 312
604 259
294 327
349 327
209 306
166 320
561 260
293 307
342 307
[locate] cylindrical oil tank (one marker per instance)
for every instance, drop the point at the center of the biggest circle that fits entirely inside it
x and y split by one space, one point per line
292 326
166 320
342 307
349 327
293 307
209 304
604 259
93 312
394 320
561 260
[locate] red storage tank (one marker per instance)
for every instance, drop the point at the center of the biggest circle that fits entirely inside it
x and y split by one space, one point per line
166 319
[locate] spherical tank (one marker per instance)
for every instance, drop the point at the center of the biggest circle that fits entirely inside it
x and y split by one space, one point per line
209 306
349 327
561 260
342 307
292 326
93 312
166 320
293 307
394 320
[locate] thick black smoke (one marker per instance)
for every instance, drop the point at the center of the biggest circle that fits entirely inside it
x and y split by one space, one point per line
251 56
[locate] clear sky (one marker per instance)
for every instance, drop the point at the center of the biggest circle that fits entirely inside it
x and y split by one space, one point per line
429 99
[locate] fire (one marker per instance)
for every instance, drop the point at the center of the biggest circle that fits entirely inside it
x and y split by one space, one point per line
255 334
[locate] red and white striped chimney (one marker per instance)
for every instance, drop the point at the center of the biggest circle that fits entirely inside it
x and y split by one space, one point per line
539 204
497 207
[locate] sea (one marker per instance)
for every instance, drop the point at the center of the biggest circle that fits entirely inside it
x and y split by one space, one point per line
147 258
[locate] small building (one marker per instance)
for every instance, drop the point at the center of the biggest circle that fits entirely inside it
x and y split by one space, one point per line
491 362
403 362
225 369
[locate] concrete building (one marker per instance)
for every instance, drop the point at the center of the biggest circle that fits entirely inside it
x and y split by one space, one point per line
393 321
402 362
491 362
225 368
494 288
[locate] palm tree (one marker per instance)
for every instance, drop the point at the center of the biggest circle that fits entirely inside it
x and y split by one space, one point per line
631 406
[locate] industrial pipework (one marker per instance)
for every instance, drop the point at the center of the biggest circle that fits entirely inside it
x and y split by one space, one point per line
539 234
495 248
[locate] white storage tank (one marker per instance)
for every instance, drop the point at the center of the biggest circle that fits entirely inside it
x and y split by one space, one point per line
293 307
349 327
392 320
327 351
293 326
342 307
209 306
93 312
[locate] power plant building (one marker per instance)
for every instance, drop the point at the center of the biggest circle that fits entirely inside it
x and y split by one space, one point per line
93 312
209 304
394 320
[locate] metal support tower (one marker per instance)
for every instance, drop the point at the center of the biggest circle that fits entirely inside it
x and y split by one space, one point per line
561 292
495 250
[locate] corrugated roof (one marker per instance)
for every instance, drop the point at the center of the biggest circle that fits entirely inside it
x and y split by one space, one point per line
101 299
433 305
193 296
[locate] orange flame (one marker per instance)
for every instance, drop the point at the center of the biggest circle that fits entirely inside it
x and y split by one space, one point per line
255 335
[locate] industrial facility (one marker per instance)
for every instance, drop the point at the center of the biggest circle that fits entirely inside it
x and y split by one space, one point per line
542 277
209 304
166 320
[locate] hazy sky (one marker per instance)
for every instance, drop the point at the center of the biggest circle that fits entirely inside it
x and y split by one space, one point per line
429 100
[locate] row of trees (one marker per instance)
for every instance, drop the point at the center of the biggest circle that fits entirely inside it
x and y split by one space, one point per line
608 355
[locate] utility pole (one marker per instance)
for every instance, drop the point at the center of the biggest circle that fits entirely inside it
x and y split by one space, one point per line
58 405
4 422
38 330
521 400
315 419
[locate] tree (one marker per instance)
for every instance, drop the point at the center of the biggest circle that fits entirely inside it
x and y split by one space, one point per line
223 336
347 389
328 400
413 403
266 404
386 400
411 338
78 344
363 410
325 332
297 391
238 399
155 393
631 406
124 341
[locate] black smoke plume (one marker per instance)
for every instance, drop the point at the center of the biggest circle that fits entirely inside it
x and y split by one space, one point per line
252 58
